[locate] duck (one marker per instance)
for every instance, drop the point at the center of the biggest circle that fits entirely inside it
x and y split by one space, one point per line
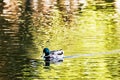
54 56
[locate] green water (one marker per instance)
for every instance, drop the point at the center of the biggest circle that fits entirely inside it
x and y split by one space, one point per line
92 34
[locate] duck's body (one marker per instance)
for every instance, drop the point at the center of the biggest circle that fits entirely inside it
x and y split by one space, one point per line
54 56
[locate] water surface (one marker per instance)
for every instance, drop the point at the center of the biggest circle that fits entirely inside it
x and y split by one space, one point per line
89 33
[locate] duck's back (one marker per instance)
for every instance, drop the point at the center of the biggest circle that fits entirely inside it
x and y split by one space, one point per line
57 52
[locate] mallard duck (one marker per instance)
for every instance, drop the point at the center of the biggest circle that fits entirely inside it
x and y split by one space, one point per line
54 56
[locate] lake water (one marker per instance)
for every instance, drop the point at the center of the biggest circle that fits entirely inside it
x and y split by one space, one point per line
89 34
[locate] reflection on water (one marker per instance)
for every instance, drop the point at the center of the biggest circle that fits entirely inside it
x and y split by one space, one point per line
79 27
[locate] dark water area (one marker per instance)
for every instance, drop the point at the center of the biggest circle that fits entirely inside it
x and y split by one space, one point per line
88 29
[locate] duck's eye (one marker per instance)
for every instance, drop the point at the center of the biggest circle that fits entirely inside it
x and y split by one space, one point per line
60 53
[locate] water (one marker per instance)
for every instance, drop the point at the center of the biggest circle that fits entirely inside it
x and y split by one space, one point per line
88 33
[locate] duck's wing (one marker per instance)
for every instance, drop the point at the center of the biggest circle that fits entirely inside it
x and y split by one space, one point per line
53 52
58 52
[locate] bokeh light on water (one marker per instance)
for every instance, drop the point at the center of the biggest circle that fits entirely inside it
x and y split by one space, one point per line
87 28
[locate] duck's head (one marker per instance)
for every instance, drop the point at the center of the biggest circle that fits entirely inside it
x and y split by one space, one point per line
46 51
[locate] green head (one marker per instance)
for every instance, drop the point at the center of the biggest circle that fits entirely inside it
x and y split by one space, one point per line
46 51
